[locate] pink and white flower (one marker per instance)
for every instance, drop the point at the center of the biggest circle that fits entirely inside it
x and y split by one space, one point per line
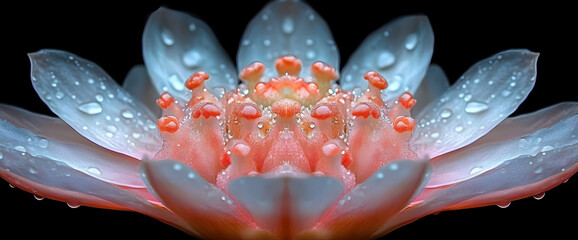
287 154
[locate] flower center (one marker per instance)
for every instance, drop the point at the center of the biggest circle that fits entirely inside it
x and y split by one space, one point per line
286 125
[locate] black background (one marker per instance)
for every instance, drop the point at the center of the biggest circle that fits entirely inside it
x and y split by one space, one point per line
110 35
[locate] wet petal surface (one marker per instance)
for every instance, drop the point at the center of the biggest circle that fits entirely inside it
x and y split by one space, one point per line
176 45
484 96
86 98
400 51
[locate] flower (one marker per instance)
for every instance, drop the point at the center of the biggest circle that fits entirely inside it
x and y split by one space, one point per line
112 118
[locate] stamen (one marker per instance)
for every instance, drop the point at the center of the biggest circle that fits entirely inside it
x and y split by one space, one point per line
324 111
365 109
205 109
165 100
407 100
323 74
247 110
376 80
196 80
253 72
168 124
403 124
289 65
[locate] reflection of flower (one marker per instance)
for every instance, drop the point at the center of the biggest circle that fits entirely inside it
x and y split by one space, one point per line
284 130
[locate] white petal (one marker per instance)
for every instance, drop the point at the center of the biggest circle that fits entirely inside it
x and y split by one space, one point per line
431 88
87 158
191 197
476 160
138 83
176 45
86 98
372 203
287 27
303 200
484 96
400 51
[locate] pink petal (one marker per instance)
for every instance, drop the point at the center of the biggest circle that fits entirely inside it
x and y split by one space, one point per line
176 45
371 204
86 98
400 51
287 27
527 139
286 205
204 207
484 96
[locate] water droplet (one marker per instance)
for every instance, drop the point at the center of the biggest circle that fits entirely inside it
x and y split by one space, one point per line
538 170
311 17
90 108
475 170
38 197
385 59
167 37
380 175
539 196
177 167
446 113
32 171
192 27
459 128
246 42
260 125
310 54
411 41
504 204
506 93
476 107
94 170
267 42
547 148
192 58
126 114
73 205
287 26
393 167
311 125
395 83
309 42
59 95
43 143
20 148
1 155
176 83
111 128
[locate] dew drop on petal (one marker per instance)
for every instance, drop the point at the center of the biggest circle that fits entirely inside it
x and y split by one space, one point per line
192 58
176 83
475 170
127 114
446 113
167 37
38 197
43 143
385 59
73 205
90 108
411 41
287 26
94 170
476 107
504 204
539 196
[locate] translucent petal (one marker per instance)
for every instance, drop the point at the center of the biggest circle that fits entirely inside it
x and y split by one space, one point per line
473 161
86 98
372 203
485 95
517 178
287 27
206 208
46 177
431 88
272 200
400 51
138 83
86 158
176 45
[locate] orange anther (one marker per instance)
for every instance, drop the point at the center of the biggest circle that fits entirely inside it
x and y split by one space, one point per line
365 109
376 80
407 100
286 107
165 100
312 88
247 110
168 124
253 72
206 109
403 124
260 88
323 71
324 111
288 64
196 80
